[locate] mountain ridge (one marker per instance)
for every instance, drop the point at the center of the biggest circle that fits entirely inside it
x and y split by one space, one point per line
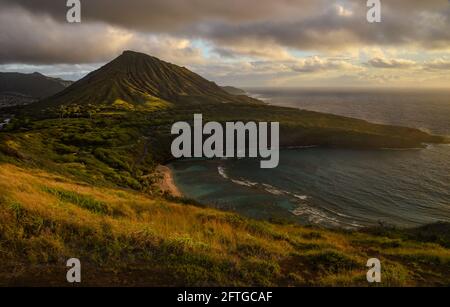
35 85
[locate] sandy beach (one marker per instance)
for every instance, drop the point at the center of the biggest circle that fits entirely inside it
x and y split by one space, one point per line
167 183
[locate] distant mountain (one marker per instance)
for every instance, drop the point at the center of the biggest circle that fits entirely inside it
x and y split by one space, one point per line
35 85
137 78
233 90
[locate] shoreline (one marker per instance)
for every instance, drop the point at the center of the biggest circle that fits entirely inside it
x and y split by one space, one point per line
167 182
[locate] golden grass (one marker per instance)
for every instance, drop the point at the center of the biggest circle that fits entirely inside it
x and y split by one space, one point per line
46 219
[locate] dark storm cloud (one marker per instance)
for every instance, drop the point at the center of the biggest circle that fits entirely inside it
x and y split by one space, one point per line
36 32
169 15
333 28
27 38
39 39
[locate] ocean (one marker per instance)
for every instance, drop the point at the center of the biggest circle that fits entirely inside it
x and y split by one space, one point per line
338 187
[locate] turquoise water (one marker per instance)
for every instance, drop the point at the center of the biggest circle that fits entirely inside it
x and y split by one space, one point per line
337 187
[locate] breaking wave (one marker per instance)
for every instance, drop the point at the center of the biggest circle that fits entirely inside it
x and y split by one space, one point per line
311 214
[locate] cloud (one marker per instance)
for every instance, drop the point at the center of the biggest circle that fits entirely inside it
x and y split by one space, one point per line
438 64
391 63
248 41
316 64
238 27
309 65
41 40
256 49
171 15
342 11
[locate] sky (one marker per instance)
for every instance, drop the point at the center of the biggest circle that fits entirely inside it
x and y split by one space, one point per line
245 43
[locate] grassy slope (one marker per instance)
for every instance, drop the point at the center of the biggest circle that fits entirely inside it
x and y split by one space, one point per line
79 187
125 237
